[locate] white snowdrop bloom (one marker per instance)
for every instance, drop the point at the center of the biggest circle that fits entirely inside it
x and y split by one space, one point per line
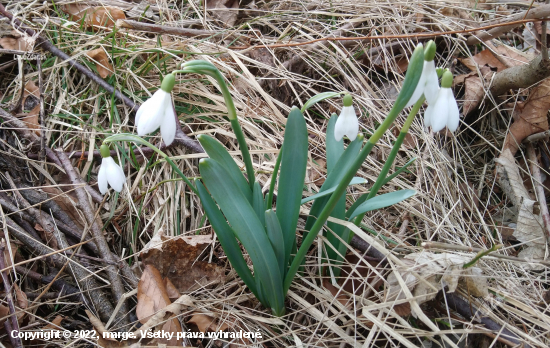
429 82
347 123
444 111
110 173
158 112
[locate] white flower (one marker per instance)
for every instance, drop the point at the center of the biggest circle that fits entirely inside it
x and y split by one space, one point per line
346 124
443 112
427 85
110 173
157 112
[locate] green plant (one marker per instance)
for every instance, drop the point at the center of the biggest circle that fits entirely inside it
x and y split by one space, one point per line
239 213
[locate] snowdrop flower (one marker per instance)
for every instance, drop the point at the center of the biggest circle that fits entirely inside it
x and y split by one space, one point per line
347 123
159 112
110 173
444 111
428 83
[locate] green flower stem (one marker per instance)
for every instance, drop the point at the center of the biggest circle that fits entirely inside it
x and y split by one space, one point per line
244 151
480 255
203 67
274 180
391 158
139 140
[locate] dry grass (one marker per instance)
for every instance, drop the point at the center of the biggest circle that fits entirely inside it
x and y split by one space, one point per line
80 115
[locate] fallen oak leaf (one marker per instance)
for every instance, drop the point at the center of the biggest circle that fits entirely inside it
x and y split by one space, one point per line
531 116
205 322
16 41
224 10
177 260
94 17
152 298
152 295
103 65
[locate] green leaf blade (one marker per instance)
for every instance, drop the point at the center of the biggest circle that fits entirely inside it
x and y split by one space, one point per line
226 236
217 152
275 235
291 179
319 97
248 228
383 201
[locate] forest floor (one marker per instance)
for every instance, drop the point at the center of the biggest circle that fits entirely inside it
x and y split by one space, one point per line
147 257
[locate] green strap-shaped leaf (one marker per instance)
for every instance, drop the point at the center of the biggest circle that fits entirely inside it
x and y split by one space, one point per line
355 181
333 179
383 201
217 152
364 197
226 237
258 202
319 97
291 179
275 235
399 171
248 228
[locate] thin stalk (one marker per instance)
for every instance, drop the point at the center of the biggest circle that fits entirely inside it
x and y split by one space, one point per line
391 158
274 180
210 70
139 140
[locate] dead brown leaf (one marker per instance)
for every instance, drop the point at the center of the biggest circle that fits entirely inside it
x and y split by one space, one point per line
31 103
66 201
224 10
103 65
207 323
152 297
316 176
101 16
17 42
531 116
55 323
178 261
410 140
47 236
473 93
171 290
483 58
402 64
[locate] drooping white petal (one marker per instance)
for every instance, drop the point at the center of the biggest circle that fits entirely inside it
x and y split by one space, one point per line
454 115
418 90
139 113
169 124
346 124
440 113
153 112
431 87
115 174
428 115
102 177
